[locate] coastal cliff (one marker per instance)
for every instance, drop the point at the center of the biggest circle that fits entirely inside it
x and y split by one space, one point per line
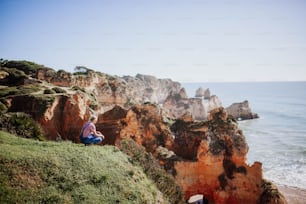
207 157
195 140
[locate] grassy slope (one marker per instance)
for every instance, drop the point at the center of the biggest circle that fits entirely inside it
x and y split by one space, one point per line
50 172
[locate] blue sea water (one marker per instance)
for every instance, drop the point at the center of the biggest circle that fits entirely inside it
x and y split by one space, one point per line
278 137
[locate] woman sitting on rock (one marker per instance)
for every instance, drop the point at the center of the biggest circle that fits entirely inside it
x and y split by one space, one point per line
89 134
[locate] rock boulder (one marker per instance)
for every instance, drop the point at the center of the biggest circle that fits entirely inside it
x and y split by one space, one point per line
241 111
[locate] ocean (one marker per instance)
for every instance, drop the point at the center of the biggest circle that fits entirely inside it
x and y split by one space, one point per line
278 137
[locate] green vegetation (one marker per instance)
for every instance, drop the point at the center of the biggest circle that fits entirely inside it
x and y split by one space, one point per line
18 90
270 193
49 91
3 107
12 76
42 103
81 70
177 97
21 124
164 181
63 172
27 67
59 90
93 101
77 88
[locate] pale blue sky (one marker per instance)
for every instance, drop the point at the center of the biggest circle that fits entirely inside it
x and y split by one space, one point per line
186 40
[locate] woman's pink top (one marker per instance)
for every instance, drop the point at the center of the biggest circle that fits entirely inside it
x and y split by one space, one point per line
90 129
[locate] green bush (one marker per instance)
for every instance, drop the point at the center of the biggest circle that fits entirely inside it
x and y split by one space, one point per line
19 90
164 181
81 70
26 66
13 77
49 91
3 107
21 124
77 88
270 193
59 90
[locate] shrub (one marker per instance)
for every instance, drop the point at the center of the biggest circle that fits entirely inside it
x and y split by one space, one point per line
42 102
59 90
49 91
23 65
164 181
77 88
21 124
270 193
20 90
13 76
81 70
94 105
3 107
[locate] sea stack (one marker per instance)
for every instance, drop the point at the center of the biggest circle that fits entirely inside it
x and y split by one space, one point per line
241 111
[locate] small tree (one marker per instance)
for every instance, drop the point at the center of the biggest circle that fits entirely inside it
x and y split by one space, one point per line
81 70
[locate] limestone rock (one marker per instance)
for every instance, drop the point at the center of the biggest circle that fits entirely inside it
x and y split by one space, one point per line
59 78
241 111
212 103
203 93
113 90
60 116
196 107
214 162
206 157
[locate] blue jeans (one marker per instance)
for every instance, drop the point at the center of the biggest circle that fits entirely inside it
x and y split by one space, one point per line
91 139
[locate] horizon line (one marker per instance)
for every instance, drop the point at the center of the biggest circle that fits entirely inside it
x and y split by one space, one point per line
264 81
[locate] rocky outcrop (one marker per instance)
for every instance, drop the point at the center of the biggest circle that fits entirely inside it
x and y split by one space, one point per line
241 111
142 123
113 90
216 164
66 116
61 116
206 157
59 78
203 93
212 103
198 108
127 91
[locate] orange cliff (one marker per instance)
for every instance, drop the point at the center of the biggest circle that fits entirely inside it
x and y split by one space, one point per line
207 157
61 116
218 170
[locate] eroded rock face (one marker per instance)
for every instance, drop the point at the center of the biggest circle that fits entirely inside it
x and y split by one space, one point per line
66 117
153 133
61 116
241 111
206 157
217 168
127 91
113 90
59 78
111 123
198 108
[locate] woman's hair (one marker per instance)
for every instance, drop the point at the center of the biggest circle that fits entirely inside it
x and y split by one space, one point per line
92 118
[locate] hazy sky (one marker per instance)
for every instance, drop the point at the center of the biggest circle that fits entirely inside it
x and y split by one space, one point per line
186 40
